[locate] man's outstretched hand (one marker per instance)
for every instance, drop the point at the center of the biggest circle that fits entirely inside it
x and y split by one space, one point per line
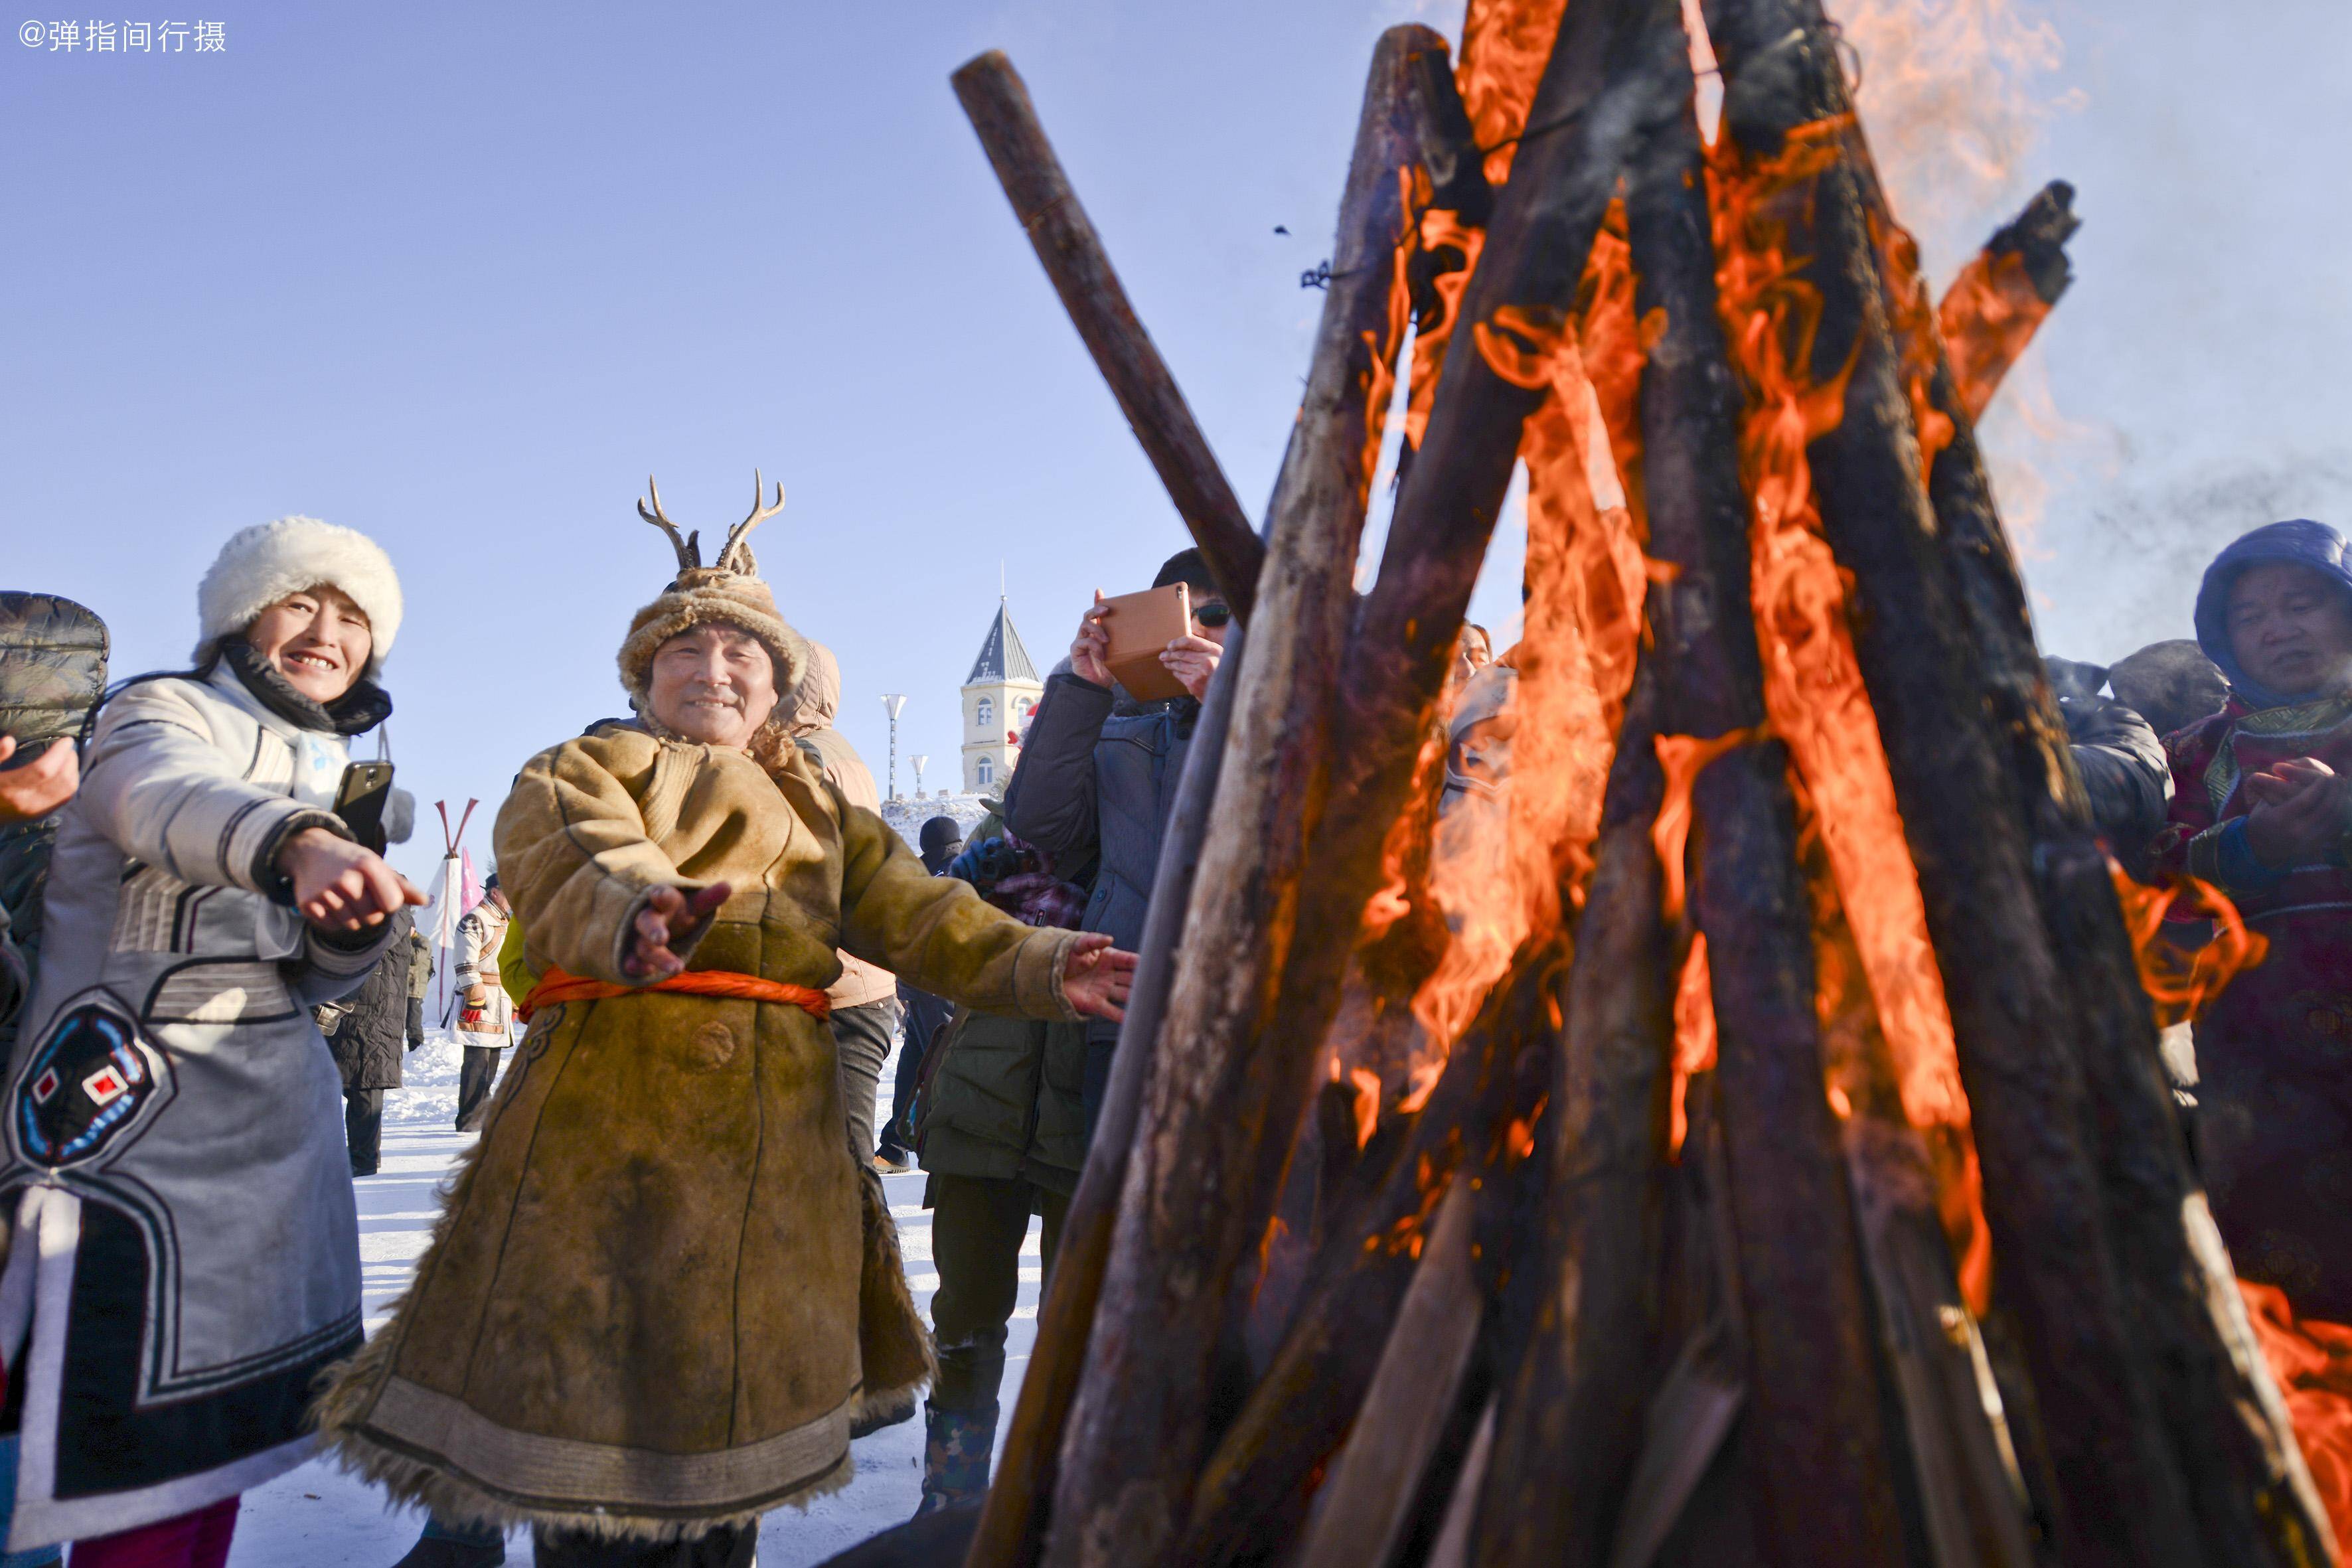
667 928
1097 976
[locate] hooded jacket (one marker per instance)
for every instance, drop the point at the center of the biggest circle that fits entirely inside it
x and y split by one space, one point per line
2275 1100
816 701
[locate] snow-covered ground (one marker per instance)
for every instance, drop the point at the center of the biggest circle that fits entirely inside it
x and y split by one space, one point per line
318 1517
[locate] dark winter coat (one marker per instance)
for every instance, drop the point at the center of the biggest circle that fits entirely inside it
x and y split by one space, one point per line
2125 773
52 671
372 1034
1097 780
1007 1101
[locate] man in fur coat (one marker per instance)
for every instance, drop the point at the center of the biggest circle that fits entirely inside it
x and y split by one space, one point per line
662 1289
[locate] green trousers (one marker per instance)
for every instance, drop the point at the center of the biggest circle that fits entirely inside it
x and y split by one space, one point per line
978 1224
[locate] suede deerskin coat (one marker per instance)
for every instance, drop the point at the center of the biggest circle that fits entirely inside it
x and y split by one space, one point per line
661 1286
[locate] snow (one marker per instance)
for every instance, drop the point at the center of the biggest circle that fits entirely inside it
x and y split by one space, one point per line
317 1517
909 815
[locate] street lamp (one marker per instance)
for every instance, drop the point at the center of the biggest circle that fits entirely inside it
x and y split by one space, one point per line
918 763
894 701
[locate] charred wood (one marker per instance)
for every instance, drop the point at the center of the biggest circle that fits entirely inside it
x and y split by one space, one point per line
1012 1527
1991 311
1184 1220
1361 1512
1570 1415
2122 1498
1255 1489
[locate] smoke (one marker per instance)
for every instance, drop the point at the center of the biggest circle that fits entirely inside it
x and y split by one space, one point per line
2137 554
1954 96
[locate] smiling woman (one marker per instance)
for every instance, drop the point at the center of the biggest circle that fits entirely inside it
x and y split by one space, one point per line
183 1221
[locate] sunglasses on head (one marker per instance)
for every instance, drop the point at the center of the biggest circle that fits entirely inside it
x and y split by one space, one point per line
1214 614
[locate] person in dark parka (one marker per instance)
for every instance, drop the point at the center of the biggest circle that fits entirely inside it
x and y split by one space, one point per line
1002 1132
922 1016
1099 774
2126 775
370 1032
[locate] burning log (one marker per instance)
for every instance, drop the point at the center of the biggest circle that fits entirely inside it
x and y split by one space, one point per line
1994 307
1569 1424
1316 513
2252 1495
1013 1520
1976 862
1810 1352
997 103
1253 1489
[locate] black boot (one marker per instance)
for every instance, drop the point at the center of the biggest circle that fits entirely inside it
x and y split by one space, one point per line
957 1445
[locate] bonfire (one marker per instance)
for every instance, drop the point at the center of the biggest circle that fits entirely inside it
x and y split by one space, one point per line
1746 1142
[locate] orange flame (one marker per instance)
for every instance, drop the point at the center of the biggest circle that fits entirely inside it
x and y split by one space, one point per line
1504 45
1989 315
2311 1361
1694 1039
1814 692
1413 194
1368 1102
2183 985
1683 758
1441 229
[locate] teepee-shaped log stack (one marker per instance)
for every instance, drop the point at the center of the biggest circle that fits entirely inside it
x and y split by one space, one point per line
1741 1137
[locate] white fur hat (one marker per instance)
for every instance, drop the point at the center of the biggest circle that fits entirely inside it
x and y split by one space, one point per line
261 564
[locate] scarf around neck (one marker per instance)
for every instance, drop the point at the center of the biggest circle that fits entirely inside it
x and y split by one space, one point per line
356 711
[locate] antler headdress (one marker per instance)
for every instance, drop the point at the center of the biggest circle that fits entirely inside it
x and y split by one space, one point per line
729 590
735 555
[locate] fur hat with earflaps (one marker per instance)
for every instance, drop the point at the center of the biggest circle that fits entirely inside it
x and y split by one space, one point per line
262 564
728 591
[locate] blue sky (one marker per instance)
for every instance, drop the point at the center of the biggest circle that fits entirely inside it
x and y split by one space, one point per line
460 276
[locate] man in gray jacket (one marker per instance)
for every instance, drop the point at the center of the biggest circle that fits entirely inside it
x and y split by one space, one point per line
1100 771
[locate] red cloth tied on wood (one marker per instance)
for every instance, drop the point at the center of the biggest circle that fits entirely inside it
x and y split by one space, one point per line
555 985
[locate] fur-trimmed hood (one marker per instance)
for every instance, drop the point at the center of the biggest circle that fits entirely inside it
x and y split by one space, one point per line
261 564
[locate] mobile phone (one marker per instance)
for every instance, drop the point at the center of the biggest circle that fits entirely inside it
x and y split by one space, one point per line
1140 626
361 800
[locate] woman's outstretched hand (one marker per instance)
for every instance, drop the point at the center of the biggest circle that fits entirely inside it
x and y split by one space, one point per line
339 885
667 928
1097 976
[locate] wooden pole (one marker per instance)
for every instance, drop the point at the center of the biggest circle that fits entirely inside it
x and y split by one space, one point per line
2124 1500
997 103
1254 1488
1274 687
1136 1438
1362 1511
1012 1527
1991 311
2228 1427
1825 1483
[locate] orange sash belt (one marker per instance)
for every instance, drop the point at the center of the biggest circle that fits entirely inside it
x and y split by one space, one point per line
555 985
